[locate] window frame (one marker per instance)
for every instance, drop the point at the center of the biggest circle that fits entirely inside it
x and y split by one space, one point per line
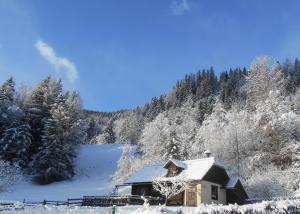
214 192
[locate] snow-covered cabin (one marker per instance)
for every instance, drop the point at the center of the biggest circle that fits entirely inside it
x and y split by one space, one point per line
210 183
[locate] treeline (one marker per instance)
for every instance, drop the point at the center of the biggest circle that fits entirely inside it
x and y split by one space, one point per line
41 128
201 88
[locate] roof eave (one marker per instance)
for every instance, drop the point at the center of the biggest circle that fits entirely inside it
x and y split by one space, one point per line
134 183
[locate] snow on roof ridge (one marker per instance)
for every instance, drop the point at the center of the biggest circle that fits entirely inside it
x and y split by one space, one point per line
178 163
215 161
198 159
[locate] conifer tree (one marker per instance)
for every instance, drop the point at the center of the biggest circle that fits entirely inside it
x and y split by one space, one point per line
15 144
15 137
54 161
172 147
7 92
38 105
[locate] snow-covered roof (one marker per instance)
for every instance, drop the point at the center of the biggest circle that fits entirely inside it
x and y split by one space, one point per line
232 182
177 163
197 169
193 170
147 174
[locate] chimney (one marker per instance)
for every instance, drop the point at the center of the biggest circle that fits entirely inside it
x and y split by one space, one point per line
207 153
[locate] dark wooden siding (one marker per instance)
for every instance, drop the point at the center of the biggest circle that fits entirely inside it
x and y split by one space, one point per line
144 189
237 194
217 175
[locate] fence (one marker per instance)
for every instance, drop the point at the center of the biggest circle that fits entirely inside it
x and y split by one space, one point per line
102 201
119 200
6 206
70 201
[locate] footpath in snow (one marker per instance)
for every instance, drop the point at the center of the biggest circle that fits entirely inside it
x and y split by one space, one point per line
94 165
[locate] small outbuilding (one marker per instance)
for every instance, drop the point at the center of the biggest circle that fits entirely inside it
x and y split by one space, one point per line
210 183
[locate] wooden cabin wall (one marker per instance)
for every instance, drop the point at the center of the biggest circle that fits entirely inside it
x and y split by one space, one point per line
144 189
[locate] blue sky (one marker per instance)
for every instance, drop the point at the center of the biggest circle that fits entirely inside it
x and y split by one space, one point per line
120 53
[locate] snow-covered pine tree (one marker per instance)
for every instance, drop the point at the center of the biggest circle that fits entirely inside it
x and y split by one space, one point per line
15 136
38 105
15 144
54 161
64 130
172 147
7 92
109 134
77 125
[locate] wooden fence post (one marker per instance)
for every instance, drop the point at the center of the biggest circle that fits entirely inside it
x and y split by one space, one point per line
113 209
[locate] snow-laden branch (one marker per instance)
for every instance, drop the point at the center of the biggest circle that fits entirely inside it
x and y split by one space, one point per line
170 186
9 174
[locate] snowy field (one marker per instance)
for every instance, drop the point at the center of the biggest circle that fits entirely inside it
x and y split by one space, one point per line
259 208
94 166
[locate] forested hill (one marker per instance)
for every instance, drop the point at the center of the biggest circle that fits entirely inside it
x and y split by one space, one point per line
248 118
201 89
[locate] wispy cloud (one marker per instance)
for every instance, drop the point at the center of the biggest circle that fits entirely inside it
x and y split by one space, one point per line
180 7
60 64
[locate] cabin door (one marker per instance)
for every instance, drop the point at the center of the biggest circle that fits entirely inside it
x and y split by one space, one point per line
191 197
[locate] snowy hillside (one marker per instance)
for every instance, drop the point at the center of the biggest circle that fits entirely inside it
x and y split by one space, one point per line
94 165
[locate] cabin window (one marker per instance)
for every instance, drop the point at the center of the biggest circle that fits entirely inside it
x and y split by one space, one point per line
214 192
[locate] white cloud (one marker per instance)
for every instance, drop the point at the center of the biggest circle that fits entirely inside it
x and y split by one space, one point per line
60 63
179 7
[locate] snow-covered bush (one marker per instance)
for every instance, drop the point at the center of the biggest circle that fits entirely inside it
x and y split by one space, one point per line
9 174
272 182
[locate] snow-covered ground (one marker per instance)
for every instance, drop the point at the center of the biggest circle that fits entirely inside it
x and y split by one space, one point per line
259 208
94 166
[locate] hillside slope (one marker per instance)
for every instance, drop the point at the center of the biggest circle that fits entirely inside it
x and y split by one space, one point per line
94 165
